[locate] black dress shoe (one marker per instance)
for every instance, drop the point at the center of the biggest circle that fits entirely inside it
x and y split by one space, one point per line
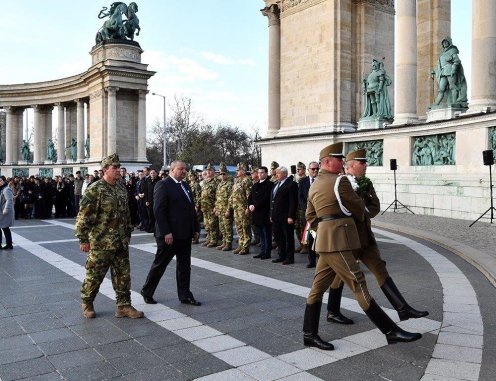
148 299
257 256
265 257
7 247
314 340
310 265
288 261
191 301
277 260
338 317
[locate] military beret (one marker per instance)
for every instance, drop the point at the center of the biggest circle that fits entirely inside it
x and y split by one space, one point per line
274 165
335 150
210 166
222 168
300 165
359 155
254 170
241 167
111 160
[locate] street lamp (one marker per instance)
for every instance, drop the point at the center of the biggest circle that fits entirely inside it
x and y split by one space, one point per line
165 131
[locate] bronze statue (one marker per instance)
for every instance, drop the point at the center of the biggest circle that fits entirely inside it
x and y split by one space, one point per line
115 28
375 94
50 154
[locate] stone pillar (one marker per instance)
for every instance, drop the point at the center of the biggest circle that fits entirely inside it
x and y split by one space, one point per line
111 120
60 134
38 135
80 130
483 56
47 121
142 126
274 123
405 45
10 135
18 132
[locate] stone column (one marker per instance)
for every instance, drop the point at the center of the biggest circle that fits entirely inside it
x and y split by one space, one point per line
18 132
47 120
60 134
10 135
141 143
80 129
405 45
274 123
38 135
483 56
111 120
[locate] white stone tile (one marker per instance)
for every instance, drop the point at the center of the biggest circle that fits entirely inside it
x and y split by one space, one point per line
307 359
422 325
465 330
218 343
269 369
181 323
455 369
372 339
344 349
197 333
302 376
464 320
458 307
460 299
165 314
457 353
435 377
242 355
298 291
451 338
230 374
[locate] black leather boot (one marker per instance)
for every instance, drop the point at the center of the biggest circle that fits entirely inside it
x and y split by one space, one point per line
394 334
334 314
311 328
405 312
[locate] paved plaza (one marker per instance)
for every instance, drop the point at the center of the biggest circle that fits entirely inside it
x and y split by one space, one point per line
249 326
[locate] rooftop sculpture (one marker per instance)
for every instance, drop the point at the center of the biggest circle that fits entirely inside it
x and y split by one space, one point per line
117 28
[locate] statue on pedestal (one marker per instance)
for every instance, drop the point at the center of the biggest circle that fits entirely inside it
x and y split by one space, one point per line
87 146
115 28
450 76
50 153
26 155
375 94
73 149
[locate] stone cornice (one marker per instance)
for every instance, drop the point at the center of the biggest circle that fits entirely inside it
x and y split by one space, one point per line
289 7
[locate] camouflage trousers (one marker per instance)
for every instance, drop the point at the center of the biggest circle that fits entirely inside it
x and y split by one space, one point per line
300 224
97 264
226 228
211 223
243 227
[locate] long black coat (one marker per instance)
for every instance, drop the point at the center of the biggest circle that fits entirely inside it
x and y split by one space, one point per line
174 213
285 202
260 198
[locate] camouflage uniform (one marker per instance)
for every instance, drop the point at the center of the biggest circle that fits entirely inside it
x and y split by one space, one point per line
196 190
207 206
222 194
238 202
104 221
273 165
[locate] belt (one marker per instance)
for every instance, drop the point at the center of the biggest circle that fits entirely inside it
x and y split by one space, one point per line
331 217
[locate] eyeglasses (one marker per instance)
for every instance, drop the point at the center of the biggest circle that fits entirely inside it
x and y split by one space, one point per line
313 169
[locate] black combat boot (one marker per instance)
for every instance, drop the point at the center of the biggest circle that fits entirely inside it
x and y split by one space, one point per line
334 314
311 328
394 334
405 312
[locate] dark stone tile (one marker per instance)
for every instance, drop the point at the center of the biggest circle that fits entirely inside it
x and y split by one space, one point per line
163 372
54 376
14 342
9 327
41 321
136 362
75 358
52 335
160 340
119 349
25 369
200 366
63 345
21 353
96 372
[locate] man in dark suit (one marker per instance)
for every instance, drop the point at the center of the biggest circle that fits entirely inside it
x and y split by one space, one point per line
149 189
259 207
303 188
284 202
175 226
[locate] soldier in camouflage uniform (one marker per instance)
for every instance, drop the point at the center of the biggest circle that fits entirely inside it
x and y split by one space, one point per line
238 202
273 166
196 190
301 170
210 220
222 210
103 227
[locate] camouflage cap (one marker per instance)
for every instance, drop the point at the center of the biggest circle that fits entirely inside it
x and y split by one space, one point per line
190 173
360 155
210 167
300 165
222 168
241 167
111 160
274 165
335 150
254 170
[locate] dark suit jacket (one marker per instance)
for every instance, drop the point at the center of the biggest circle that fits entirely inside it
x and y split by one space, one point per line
260 198
174 213
284 203
303 188
148 189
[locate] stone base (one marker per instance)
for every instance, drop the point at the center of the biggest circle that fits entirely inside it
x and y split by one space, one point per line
372 123
23 162
49 162
444 113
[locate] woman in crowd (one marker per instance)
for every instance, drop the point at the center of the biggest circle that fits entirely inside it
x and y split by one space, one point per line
6 213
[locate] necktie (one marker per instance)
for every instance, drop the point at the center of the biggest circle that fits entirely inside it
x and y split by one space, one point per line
180 184
311 180
276 188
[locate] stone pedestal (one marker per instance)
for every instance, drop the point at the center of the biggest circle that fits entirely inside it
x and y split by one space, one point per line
444 113
372 123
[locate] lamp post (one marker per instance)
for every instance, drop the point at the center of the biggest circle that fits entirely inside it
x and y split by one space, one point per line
165 131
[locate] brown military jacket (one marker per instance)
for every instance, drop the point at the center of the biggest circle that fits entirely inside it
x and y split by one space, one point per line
338 234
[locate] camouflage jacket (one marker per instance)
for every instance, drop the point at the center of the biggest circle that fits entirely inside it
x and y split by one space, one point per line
196 189
223 193
104 220
240 193
208 194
